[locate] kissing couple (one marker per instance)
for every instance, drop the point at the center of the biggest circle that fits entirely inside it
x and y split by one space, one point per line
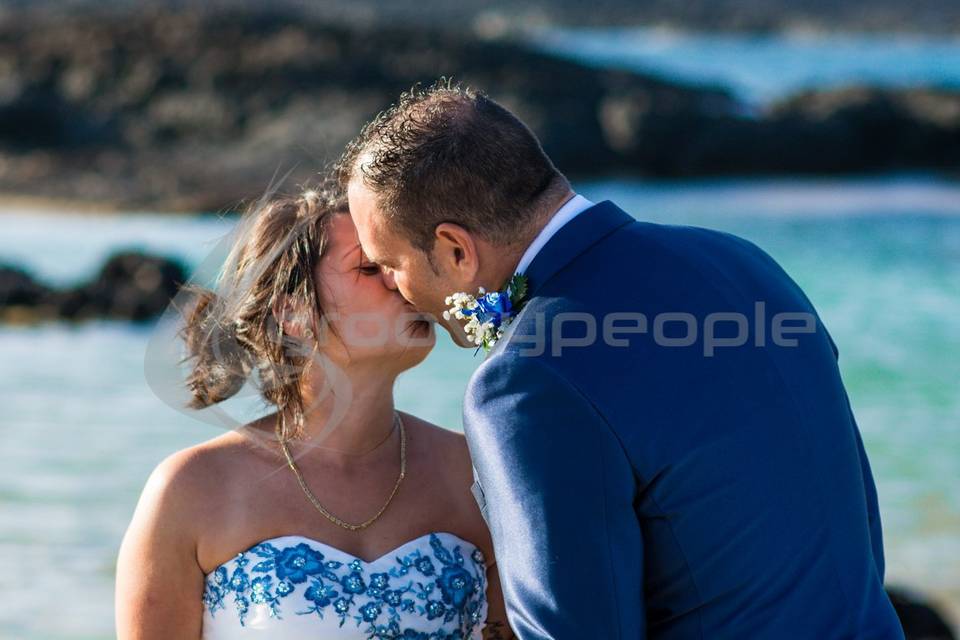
636 461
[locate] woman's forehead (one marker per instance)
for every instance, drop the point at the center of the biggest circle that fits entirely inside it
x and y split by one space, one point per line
342 234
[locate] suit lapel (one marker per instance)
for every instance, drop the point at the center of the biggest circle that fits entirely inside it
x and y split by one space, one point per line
572 239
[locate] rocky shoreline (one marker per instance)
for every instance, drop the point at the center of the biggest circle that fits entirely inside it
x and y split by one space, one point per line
130 286
195 110
754 16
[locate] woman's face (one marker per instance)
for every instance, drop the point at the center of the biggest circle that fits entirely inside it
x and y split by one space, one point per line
363 320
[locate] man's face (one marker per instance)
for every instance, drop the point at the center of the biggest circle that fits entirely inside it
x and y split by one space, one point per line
404 267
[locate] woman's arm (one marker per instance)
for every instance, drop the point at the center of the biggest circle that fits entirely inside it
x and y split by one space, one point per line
159 583
497 627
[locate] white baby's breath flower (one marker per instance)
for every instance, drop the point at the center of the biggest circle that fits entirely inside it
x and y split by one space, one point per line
464 306
468 308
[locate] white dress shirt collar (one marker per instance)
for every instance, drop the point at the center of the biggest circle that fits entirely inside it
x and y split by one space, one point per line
574 206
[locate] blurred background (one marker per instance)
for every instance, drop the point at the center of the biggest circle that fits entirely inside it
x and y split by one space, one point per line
130 132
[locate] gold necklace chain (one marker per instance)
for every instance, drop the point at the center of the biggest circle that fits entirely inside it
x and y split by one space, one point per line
316 503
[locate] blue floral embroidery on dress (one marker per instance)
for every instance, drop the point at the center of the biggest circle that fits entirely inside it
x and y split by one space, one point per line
457 592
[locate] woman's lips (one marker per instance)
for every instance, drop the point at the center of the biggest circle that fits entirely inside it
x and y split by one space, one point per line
420 316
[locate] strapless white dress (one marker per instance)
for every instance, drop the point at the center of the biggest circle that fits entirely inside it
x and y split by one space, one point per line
295 588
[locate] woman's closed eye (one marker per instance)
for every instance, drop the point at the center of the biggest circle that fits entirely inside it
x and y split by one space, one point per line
369 269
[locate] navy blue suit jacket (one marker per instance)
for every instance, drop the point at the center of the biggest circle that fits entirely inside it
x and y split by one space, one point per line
643 477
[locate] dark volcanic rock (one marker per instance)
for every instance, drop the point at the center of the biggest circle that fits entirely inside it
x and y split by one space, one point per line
852 129
884 16
197 110
18 288
919 619
130 286
860 128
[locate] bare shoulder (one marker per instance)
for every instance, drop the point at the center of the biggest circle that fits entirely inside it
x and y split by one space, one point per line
445 446
446 451
159 578
183 485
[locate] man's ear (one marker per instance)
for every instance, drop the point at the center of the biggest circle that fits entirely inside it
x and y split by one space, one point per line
455 251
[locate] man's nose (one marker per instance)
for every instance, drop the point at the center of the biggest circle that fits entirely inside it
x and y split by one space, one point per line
388 279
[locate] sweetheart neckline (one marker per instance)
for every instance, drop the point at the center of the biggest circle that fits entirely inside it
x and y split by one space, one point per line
314 541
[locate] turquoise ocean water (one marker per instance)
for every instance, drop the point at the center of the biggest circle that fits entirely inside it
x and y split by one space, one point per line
761 68
880 258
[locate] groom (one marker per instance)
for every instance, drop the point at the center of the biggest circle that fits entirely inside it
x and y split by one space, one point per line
662 442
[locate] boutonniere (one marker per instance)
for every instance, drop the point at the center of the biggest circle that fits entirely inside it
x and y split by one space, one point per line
488 314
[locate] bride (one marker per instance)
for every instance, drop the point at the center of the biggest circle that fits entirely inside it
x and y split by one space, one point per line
336 516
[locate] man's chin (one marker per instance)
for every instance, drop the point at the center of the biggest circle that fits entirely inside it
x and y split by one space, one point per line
457 334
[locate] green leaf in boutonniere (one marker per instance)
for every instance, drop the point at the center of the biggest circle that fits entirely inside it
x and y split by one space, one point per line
518 290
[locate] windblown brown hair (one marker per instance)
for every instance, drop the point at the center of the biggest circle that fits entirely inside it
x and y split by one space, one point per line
231 331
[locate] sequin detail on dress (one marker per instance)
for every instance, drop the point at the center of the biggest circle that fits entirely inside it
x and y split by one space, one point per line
419 591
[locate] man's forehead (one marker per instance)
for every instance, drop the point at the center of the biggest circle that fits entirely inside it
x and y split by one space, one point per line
361 198
361 203
371 230
378 239
374 237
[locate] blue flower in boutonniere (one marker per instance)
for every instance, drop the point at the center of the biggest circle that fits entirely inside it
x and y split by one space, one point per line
488 314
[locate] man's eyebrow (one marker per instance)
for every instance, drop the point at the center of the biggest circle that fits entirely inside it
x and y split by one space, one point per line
386 262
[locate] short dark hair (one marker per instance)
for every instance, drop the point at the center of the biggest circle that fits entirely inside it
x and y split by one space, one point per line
451 154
